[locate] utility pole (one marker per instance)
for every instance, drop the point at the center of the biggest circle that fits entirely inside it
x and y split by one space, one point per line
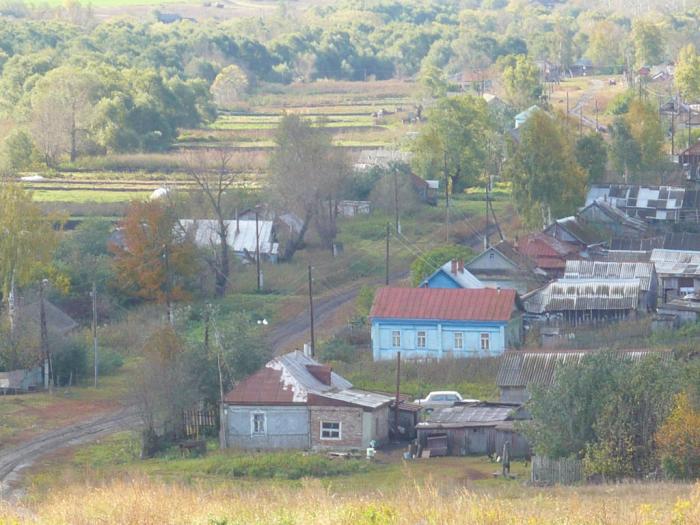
596 115
311 314
44 335
168 299
386 256
486 230
690 114
673 131
398 390
580 121
447 198
94 328
397 224
567 110
257 250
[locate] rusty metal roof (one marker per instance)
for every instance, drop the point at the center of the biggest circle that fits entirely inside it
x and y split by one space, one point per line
584 294
611 270
486 304
522 368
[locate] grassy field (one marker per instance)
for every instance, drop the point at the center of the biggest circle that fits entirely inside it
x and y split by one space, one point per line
139 501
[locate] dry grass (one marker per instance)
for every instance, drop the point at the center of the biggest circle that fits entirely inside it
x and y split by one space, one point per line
145 502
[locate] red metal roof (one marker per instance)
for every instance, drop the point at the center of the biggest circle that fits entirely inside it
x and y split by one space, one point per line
547 252
485 304
263 387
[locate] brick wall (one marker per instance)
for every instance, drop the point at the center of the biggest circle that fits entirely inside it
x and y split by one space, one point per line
350 419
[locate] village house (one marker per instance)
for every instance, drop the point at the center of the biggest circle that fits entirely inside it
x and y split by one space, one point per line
522 117
452 274
603 270
549 254
437 323
521 370
679 273
585 301
473 429
650 203
294 402
576 231
603 215
502 266
244 237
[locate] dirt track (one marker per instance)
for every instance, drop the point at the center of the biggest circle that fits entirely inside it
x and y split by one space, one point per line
14 460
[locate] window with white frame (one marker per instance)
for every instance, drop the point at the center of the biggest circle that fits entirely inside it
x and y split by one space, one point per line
396 338
421 338
330 430
486 342
258 426
459 341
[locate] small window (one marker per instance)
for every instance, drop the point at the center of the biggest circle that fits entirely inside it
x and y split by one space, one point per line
459 341
330 430
420 339
396 339
257 423
486 342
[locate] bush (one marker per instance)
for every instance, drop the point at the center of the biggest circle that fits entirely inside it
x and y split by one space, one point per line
338 350
70 362
108 361
430 261
678 440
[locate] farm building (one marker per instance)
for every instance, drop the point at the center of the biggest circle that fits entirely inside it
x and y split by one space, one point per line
650 203
584 301
427 190
452 274
294 402
549 254
681 309
679 273
602 215
380 158
524 116
435 323
480 429
242 236
520 370
503 266
58 323
21 380
576 231
645 272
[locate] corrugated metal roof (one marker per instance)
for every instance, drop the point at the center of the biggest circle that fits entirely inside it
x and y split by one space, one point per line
676 262
579 230
461 304
467 415
359 397
622 256
463 278
584 294
241 234
610 270
284 379
522 368
616 214
629 196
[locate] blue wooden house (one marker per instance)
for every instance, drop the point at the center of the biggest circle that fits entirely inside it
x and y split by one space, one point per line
452 274
440 322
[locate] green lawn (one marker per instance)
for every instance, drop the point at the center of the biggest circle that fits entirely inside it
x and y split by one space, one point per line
89 196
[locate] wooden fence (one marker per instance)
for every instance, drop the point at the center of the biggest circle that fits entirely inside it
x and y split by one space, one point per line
200 422
563 471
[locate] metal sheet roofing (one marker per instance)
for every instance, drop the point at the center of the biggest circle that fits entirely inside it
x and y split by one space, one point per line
584 294
468 415
359 397
676 262
616 214
610 270
522 368
461 304
669 198
578 229
463 278
241 234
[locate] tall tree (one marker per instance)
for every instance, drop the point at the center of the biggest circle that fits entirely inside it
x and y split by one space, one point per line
214 182
592 155
306 174
547 180
155 259
687 73
521 81
605 44
62 107
645 126
648 41
27 241
454 142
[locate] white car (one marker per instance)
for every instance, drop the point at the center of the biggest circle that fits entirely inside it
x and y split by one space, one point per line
441 398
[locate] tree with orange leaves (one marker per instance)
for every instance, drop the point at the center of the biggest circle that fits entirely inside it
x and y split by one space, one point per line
156 258
678 440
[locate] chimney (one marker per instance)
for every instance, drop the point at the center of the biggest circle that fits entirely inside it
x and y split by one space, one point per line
321 372
460 266
238 223
454 266
307 350
498 289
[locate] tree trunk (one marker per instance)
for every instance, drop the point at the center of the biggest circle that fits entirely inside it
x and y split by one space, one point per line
224 267
294 244
12 306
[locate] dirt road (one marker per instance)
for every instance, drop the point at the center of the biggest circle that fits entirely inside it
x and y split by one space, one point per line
16 459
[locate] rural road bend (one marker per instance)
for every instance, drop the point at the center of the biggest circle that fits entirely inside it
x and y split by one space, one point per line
15 459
